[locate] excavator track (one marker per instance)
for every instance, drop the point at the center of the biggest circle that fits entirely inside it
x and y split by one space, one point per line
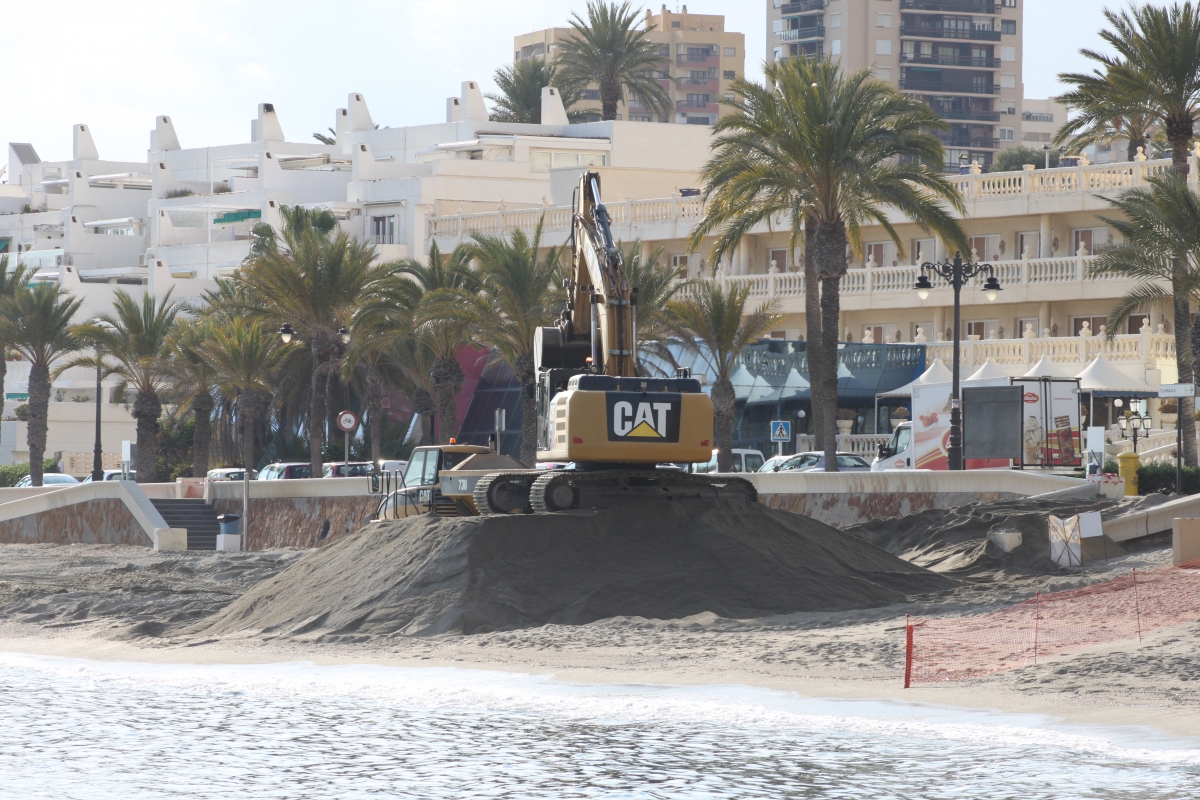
503 493
564 490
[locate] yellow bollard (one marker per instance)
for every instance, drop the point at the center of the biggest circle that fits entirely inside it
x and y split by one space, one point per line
1127 468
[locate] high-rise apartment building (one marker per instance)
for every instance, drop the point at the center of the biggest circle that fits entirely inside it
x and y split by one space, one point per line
700 59
962 57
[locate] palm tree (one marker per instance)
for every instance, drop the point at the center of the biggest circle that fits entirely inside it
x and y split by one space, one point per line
512 294
520 98
10 284
133 341
245 355
608 50
36 322
416 290
1160 231
1156 70
193 379
716 325
1099 121
830 153
312 276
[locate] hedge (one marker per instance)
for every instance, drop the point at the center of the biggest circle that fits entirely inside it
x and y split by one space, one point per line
1155 478
10 475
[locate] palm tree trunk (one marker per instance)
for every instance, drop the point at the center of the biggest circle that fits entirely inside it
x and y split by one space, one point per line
1184 356
423 407
3 375
723 398
812 323
202 407
609 97
39 402
524 369
1131 152
375 412
316 412
829 246
146 410
447 377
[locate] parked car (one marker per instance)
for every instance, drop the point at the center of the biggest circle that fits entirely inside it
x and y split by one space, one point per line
49 479
355 469
815 462
743 461
229 474
112 475
772 463
285 471
394 466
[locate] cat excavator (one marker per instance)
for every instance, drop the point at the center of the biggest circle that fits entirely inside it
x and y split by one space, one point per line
620 432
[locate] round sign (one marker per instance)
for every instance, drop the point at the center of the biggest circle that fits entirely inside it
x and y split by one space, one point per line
346 421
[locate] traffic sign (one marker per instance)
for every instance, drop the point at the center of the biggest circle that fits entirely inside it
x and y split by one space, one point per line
347 421
1177 390
781 430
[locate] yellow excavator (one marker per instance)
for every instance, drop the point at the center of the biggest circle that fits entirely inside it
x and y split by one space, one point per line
621 433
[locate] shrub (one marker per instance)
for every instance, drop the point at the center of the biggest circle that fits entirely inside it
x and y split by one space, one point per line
1155 478
221 188
1168 408
1014 159
11 474
900 413
1110 466
21 412
179 193
846 413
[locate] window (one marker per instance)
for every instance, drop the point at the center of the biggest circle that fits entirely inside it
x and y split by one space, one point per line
1031 242
680 262
780 257
697 100
1033 136
1008 54
416 467
429 476
777 53
1008 80
923 250
676 24
835 47
729 98
883 73
383 230
730 52
1093 324
835 20
1009 3
1094 239
883 20
729 75
1009 108
1008 26
985 248
1008 134
545 160
981 328
883 47
1038 116
591 94
1135 321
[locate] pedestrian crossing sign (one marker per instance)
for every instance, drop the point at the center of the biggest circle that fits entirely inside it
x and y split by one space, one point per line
781 430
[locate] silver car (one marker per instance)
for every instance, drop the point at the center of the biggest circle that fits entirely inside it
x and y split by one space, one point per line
815 462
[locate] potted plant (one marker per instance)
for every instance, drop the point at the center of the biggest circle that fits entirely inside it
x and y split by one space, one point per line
845 420
898 416
1169 413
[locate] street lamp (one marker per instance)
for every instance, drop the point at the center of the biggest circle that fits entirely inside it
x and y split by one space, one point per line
98 451
286 333
1134 422
957 272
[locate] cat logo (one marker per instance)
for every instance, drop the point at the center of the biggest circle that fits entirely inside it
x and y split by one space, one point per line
639 417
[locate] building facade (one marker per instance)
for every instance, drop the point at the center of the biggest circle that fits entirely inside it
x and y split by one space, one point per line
700 59
962 57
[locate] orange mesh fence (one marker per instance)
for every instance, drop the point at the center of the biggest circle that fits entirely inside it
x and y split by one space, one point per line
954 648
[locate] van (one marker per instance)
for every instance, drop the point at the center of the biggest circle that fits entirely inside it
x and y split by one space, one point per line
743 461
898 452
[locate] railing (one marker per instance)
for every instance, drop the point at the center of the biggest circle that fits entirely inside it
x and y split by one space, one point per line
949 87
922 32
959 6
802 7
965 114
795 34
984 142
35 260
865 445
950 61
1146 348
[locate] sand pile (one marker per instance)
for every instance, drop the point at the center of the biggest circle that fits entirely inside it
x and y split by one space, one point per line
430 575
955 541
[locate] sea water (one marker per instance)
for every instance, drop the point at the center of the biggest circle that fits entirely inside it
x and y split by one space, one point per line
96 730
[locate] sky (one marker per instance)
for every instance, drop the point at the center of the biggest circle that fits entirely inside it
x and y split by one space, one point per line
117 64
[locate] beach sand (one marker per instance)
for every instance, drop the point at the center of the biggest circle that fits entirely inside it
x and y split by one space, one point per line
124 603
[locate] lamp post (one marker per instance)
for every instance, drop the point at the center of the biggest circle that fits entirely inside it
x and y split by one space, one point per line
1134 422
957 272
98 451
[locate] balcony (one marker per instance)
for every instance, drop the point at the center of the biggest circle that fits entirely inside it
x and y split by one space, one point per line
685 60
951 86
970 115
973 34
952 6
972 142
802 7
800 34
950 61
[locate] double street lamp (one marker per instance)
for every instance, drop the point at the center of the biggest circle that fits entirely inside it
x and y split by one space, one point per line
1134 422
957 272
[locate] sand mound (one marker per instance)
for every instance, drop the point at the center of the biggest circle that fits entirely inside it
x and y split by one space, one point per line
955 541
666 561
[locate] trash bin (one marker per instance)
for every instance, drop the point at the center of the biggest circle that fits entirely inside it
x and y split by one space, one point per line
228 538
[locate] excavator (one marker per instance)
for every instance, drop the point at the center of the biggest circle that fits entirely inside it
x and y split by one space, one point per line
621 433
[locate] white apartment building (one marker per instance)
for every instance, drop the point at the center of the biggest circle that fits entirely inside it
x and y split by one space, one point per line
182 219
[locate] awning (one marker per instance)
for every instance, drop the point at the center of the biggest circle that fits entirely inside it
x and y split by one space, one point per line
990 369
937 373
1102 379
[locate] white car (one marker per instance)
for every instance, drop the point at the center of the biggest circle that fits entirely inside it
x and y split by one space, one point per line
49 479
229 474
113 475
743 461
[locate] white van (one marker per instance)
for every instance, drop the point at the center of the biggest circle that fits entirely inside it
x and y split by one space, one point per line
898 453
743 461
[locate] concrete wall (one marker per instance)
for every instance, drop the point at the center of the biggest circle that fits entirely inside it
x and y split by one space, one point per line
298 513
842 499
112 512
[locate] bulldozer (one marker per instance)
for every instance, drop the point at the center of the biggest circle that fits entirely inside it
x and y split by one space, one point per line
621 433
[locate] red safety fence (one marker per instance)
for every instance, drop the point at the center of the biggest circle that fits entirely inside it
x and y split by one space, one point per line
954 648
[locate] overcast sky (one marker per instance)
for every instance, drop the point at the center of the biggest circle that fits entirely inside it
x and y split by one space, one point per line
116 64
